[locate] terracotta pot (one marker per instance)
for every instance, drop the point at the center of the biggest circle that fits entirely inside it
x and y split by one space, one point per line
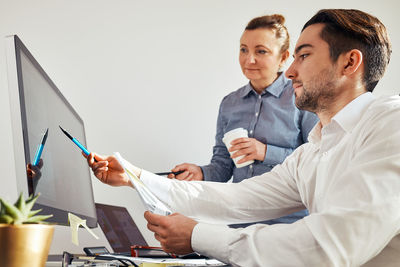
25 245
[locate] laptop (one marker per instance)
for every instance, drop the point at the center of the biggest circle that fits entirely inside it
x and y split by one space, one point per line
119 228
122 233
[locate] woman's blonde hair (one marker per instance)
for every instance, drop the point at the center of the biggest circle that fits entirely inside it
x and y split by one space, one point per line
274 22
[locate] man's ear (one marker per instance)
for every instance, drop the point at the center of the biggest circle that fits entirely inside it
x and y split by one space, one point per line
352 61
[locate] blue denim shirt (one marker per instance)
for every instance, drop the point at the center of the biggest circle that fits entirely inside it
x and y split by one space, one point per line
271 117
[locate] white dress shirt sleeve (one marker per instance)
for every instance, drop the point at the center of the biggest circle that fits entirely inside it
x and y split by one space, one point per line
259 244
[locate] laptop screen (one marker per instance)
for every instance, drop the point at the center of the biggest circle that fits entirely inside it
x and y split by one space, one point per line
119 227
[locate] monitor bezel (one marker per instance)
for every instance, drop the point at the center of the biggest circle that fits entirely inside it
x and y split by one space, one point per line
19 126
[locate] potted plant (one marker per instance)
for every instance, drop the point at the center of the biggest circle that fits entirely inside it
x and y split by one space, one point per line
24 238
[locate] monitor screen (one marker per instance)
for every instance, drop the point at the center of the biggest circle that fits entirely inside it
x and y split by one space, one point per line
37 106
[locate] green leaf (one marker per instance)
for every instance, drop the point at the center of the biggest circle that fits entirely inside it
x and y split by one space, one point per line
11 210
2 210
18 221
20 204
33 212
29 204
38 218
6 219
30 197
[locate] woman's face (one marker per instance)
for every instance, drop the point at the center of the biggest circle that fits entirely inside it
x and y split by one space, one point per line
260 56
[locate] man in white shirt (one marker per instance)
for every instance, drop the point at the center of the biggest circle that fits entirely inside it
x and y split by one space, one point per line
347 176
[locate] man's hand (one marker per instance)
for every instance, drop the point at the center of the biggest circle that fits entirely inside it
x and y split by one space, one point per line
174 232
34 173
251 148
191 172
108 170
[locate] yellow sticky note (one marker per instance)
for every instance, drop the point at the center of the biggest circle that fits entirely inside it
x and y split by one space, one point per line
75 222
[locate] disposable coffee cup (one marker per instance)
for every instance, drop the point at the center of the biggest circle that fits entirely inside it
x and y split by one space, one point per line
229 137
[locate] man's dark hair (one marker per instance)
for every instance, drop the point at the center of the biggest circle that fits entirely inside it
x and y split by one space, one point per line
347 29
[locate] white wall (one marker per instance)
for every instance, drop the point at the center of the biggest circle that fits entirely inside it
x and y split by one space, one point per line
147 76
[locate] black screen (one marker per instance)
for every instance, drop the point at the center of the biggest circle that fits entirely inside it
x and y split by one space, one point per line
119 227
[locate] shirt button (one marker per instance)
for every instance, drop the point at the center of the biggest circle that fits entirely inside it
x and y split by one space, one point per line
259 96
251 166
256 114
251 131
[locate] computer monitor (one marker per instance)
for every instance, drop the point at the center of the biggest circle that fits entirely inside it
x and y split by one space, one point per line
36 105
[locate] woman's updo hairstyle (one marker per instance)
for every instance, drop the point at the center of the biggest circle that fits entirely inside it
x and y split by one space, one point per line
273 22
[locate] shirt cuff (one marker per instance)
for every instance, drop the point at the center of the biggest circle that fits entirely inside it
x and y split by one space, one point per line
158 185
206 170
275 155
211 240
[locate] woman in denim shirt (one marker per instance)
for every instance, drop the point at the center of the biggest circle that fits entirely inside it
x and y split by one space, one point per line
264 107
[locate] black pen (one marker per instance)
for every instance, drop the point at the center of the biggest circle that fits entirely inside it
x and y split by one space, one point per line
168 173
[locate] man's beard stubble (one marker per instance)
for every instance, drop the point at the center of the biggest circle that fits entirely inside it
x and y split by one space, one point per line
319 93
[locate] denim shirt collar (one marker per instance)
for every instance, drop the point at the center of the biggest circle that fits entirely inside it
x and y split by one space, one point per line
275 89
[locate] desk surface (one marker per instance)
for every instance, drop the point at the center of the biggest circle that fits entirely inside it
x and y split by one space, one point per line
56 261
59 264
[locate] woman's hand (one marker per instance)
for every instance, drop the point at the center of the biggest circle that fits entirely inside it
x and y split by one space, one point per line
191 172
251 148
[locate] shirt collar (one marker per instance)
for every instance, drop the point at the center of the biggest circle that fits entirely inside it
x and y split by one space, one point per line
347 117
275 89
314 136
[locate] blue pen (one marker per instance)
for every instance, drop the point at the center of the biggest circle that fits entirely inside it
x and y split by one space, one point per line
76 142
39 150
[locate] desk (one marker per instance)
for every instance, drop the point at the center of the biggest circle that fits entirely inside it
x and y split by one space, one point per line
56 261
59 264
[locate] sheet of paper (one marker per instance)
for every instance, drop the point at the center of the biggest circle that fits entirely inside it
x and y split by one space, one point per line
190 262
150 264
150 201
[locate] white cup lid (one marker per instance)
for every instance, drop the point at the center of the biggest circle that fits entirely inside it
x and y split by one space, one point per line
235 131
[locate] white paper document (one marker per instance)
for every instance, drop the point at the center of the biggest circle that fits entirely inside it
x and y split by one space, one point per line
150 201
185 262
